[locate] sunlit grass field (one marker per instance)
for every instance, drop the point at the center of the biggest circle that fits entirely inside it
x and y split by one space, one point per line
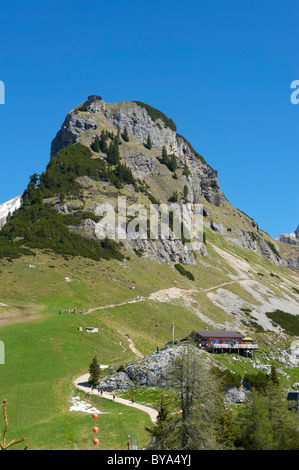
45 351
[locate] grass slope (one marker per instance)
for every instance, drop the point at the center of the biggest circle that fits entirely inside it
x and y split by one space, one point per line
45 351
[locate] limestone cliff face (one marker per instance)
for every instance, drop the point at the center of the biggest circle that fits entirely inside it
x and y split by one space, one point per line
290 238
87 121
83 126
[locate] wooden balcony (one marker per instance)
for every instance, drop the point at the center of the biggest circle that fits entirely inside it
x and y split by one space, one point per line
229 346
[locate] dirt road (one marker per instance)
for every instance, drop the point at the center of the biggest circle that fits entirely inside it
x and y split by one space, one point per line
82 384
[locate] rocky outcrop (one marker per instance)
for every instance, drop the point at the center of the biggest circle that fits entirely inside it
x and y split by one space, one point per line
157 371
290 238
71 129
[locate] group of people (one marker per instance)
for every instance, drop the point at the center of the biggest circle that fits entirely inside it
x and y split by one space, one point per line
73 311
101 391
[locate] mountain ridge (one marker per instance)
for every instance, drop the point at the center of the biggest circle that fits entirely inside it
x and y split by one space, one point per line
290 238
84 122
169 170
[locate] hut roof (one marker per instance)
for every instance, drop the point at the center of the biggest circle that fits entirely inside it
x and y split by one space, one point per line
218 334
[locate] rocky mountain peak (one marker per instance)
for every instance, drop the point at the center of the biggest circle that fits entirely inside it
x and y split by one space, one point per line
142 122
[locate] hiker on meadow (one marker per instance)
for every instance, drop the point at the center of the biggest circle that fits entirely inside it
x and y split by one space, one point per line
113 396
133 399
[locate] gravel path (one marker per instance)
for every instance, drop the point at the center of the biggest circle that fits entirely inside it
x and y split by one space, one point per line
82 384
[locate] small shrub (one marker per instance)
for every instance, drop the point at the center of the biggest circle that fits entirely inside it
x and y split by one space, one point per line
272 247
258 380
184 271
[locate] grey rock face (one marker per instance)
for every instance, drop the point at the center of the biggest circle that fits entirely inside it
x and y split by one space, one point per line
152 371
71 129
118 116
202 181
157 371
218 227
235 395
290 238
117 381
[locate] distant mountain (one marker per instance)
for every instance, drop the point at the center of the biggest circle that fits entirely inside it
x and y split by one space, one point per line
8 208
290 238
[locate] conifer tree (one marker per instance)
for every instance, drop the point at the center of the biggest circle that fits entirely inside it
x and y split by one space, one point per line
103 142
95 146
274 376
164 156
148 144
125 135
202 422
94 371
185 193
161 433
113 153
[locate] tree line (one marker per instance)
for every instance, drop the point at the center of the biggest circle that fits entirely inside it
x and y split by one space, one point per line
204 421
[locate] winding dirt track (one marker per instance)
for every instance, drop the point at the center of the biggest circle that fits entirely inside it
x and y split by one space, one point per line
162 295
82 384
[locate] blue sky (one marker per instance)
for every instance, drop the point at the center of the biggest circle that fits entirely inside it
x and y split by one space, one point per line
221 69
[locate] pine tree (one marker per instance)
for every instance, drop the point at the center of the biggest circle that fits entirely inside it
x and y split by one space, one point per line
274 376
161 432
125 135
148 144
94 371
267 424
62 197
185 193
256 429
113 153
103 142
173 163
95 146
202 422
164 158
174 197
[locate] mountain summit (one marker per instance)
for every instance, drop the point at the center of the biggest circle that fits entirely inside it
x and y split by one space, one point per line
142 123
130 149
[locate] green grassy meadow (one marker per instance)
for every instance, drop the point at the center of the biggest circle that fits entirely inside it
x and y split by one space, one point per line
45 352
